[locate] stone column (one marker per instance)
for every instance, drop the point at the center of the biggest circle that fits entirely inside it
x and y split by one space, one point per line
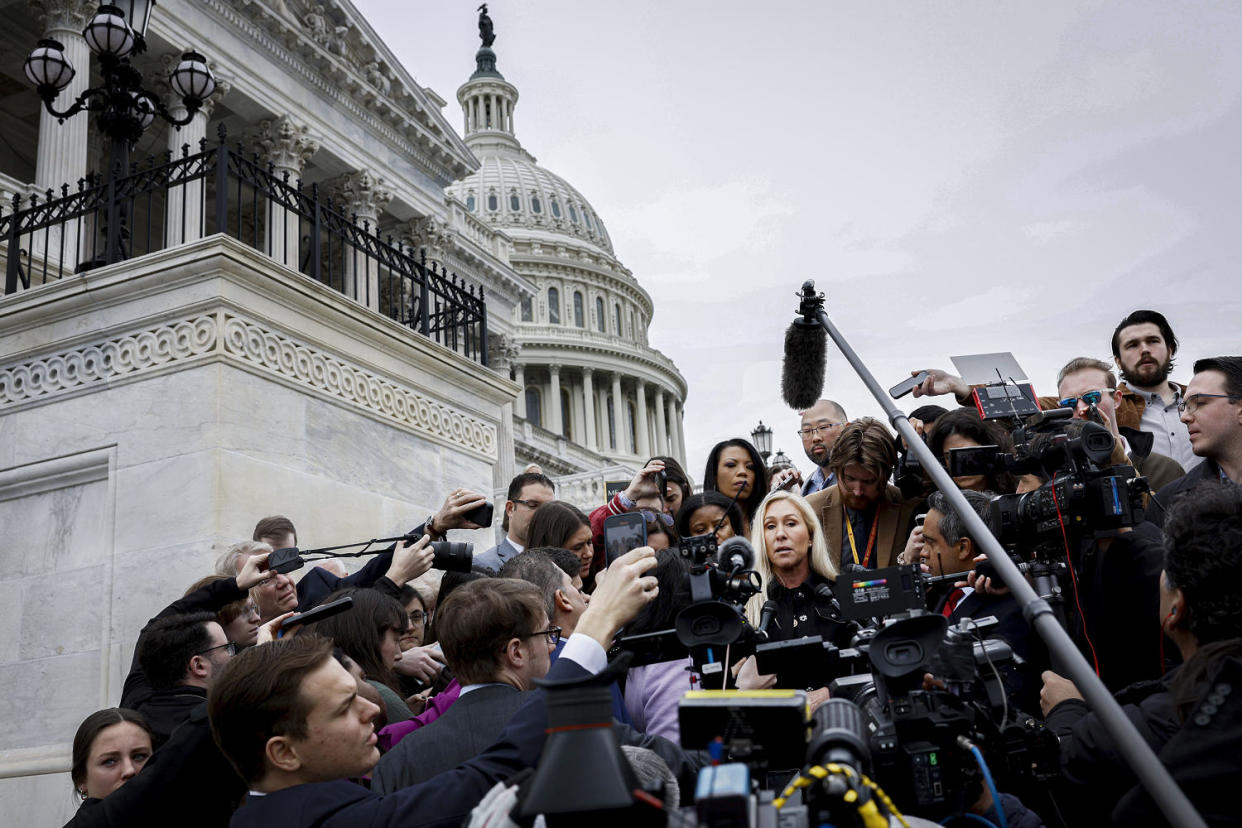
680 449
618 422
660 416
61 156
588 407
183 211
361 195
288 145
640 420
519 405
503 352
554 391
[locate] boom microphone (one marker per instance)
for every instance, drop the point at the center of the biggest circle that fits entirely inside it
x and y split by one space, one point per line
736 553
806 346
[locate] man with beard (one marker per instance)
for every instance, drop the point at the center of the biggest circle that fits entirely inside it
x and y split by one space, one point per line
866 521
821 424
1143 348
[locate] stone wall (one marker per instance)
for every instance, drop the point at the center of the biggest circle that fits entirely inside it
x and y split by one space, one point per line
150 413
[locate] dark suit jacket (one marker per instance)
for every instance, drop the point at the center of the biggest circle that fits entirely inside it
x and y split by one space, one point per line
1207 471
474 722
444 801
895 516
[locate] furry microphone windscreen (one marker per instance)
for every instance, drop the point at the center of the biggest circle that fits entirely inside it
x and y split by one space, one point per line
802 376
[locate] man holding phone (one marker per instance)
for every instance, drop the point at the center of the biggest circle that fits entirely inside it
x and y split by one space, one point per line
527 492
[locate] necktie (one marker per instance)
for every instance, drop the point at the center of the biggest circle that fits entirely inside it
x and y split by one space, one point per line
954 598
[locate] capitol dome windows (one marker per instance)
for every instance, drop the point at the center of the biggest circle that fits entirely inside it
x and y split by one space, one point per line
535 205
515 203
554 306
617 308
566 414
586 217
493 203
528 311
470 205
556 208
579 311
573 214
601 318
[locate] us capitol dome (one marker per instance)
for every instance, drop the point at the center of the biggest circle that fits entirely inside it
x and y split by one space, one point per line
595 396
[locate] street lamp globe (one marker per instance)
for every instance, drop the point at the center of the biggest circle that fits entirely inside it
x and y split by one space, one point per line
108 34
762 436
47 67
192 79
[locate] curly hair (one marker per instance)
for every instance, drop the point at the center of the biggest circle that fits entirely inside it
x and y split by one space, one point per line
1202 555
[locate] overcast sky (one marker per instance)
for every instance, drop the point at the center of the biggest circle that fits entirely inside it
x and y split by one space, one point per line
960 177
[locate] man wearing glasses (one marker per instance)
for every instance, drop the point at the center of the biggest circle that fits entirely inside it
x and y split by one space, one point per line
527 492
180 655
821 423
1212 413
1088 387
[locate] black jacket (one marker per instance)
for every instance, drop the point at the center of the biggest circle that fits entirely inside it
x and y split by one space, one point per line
1203 756
188 783
166 710
475 721
1157 468
800 612
1167 496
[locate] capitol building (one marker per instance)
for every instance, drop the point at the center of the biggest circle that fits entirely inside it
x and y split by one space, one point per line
595 396
312 297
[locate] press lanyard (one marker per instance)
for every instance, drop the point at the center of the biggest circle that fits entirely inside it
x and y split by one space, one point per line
849 528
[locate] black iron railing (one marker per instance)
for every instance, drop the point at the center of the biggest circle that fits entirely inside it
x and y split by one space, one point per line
164 202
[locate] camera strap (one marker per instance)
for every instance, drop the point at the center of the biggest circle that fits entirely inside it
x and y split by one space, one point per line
849 529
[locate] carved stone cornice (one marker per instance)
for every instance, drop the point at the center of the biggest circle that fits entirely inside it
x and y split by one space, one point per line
64 15
361 193
337 58
286 143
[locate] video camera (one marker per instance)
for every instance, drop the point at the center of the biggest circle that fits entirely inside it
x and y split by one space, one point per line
1083 493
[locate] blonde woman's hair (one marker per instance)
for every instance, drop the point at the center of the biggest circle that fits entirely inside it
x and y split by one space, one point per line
820 561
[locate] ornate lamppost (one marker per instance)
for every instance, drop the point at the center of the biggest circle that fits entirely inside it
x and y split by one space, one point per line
125 109
762 438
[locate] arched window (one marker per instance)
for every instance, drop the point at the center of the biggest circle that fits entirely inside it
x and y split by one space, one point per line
535 205
566 414
617 308
527 309
554 306
515 203
493 203
573 214
633 330
579 312
633 418
587 218
470 202
601 318
612 422
534 406
556 208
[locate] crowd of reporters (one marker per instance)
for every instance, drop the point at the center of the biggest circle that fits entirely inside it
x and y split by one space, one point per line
407 708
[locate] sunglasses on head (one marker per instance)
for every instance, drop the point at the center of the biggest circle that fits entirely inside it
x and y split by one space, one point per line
1090 398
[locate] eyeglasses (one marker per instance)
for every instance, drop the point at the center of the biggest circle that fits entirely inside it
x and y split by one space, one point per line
652 517
229 647
1192 404
811 431
1089 398
552 633
530 504
417 616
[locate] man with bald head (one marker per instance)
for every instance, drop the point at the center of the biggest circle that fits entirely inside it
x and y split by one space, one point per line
821 423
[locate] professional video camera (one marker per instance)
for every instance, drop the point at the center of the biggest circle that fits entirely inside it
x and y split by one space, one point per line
1083 493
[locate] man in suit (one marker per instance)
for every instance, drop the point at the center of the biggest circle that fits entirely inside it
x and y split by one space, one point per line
489 644
290 719
527 492
866 521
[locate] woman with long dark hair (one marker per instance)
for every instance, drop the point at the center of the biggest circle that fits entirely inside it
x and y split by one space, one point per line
735 468
370 634
562 524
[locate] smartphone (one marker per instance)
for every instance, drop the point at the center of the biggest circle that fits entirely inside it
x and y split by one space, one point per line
317 614
907 385
623 533
482 515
